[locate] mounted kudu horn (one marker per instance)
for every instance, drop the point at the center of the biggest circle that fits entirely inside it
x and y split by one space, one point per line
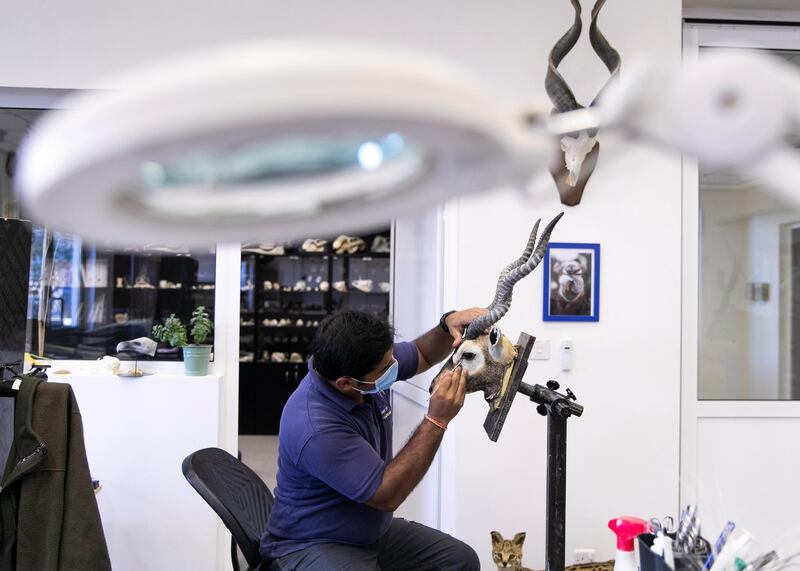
578 156
488 357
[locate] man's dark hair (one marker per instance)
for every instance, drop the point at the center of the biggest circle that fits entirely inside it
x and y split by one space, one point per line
351 344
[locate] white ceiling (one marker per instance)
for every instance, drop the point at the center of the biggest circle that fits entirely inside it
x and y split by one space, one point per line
744 4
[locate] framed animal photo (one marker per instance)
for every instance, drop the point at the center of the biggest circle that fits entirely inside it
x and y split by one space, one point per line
572 282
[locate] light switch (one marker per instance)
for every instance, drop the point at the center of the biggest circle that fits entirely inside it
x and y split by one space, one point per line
566 354
541 350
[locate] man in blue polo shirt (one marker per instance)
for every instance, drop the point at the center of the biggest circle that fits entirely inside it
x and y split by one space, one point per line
338 482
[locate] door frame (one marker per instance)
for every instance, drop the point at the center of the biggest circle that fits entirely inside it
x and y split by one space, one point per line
693 410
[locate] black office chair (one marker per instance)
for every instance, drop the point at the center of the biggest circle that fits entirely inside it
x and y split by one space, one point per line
240 498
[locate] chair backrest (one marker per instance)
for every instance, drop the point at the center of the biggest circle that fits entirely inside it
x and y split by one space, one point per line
240 498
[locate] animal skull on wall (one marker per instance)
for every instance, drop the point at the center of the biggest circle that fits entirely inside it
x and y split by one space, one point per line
578 156
486 354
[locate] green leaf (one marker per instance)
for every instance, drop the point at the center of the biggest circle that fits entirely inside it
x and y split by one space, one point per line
201 325
172 332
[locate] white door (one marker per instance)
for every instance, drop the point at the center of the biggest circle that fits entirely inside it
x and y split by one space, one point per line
417 247
740 424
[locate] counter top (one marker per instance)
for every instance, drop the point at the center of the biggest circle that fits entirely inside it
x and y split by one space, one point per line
147 379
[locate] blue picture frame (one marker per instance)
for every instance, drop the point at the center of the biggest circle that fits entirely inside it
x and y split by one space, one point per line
573 262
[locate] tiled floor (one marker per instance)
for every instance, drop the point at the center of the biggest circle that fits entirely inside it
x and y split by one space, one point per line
261 454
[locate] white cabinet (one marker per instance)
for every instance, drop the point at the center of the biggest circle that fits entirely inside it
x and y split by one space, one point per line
137 433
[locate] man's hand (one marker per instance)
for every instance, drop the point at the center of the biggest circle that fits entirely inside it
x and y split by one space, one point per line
456 322
406 470
448 394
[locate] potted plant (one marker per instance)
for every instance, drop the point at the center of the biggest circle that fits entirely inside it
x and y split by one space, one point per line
195 355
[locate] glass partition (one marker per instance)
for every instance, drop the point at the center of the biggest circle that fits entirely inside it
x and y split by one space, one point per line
749 327
83 300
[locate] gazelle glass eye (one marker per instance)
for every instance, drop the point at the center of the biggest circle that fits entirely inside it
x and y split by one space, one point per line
467 356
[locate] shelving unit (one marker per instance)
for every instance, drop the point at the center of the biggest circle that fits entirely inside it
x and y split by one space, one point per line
298 298
98 299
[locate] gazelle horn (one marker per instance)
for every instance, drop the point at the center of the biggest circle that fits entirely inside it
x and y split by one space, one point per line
510 275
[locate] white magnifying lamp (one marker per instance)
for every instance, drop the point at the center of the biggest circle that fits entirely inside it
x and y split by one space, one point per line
737 109
271 141
289 140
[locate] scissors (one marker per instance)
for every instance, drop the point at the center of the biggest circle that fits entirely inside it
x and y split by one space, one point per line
666 525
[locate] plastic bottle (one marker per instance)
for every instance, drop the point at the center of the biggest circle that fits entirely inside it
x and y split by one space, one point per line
627 528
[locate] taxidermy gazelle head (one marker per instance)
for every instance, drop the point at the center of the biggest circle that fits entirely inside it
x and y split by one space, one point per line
578 152
486 354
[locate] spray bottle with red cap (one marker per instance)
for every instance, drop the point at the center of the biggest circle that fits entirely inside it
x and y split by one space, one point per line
627 528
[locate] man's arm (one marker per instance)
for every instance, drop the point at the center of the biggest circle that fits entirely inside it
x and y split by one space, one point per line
406 470
435 345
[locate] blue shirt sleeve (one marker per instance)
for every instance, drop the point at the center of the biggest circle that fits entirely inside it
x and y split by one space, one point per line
345 461
407 360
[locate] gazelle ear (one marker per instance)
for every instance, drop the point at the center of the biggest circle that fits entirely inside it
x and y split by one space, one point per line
496 538
494 336
519 539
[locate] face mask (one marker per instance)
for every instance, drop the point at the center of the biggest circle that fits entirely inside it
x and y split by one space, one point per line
384 382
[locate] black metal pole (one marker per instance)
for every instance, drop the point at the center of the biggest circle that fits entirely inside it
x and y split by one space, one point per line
556 490
557 408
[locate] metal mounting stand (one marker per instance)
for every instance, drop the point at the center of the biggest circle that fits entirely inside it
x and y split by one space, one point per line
557 408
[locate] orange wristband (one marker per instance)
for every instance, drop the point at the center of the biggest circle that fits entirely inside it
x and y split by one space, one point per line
440 424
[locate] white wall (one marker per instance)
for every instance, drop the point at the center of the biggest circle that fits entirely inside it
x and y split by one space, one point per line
626 367
623 454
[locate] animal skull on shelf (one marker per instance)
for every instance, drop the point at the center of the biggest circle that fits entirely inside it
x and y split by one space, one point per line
486 354
578 156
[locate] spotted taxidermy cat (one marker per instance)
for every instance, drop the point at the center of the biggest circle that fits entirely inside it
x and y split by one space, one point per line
508 554
592 566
